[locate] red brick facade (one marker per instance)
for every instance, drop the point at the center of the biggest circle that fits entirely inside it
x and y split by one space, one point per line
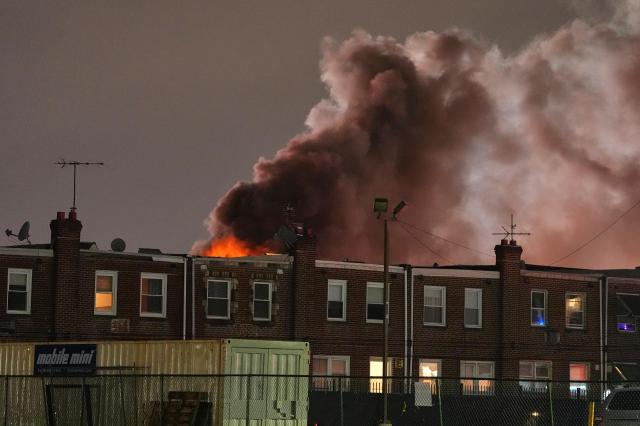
63 288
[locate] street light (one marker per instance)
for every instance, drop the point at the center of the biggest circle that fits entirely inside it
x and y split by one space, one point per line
380 207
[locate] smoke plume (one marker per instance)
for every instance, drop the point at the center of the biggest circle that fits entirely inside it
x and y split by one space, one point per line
466 135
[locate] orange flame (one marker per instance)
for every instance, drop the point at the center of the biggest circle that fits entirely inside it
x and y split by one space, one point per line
230 246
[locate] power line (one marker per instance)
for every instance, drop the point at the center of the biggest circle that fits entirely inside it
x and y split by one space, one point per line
606 228
445 239
422 243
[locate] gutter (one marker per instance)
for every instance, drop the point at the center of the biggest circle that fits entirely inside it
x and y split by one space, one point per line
406 342
193 298
185 261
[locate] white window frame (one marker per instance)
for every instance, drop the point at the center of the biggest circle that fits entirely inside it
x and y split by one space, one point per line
443 306
366 310
618 316
535 379
543 309
228 298
476 379
375 382
29 274
163 277
343 285
478 292
574 385
430 380
114 292
584 310
270 300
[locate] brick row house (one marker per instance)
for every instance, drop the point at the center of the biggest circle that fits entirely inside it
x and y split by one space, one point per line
507 320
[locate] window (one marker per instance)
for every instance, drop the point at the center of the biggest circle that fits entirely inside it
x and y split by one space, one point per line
430 368
326 365
153 295
218 299
531 372
473 307
337 300
106 290
376 374
375 302
19 291
538 308
578 376
627 312
261 301
575 305
478 377
435 304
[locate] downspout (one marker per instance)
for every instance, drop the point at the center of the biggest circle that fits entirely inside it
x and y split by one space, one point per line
184 297
410 273
405 322
193 298
606 328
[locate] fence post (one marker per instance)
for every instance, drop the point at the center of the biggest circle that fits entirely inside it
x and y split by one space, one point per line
248 392
161 397
439 394
341 402
549 387
6 399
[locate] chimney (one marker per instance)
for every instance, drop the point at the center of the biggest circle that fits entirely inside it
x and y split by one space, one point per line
65 242
508 261
304 266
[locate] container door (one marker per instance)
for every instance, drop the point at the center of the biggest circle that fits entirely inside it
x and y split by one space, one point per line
287 396
245 393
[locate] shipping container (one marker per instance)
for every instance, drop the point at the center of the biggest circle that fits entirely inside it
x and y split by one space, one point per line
230 381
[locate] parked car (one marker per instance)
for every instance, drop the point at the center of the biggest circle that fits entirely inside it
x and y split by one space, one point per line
621 407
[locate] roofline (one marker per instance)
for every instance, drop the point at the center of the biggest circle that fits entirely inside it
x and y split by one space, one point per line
357 266
155 258
26 252
460 273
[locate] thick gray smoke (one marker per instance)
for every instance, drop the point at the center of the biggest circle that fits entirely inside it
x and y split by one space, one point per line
466 135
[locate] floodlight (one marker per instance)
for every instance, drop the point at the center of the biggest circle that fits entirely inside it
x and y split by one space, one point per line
380 205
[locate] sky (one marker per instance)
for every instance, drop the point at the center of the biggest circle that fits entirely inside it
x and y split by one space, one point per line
179 99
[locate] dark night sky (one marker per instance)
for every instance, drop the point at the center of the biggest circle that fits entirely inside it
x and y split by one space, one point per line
179 99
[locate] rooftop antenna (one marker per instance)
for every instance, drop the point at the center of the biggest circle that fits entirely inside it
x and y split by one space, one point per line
511 232
22 235
63 163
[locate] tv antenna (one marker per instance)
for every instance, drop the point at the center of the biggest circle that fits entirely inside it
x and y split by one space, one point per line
62 163
511 232
22 235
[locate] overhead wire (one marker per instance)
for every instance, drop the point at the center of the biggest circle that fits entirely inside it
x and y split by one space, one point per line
422 243
445 239
592 239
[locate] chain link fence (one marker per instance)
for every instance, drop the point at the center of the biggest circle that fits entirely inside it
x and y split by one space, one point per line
255 400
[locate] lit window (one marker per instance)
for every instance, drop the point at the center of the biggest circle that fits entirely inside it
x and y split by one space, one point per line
376 374
435 303
375 302
218 299
477 377
578 376
538 308
337 300
575 306
19 291
326 365
261 301
153 295
105 295
473 307
430 368
531 374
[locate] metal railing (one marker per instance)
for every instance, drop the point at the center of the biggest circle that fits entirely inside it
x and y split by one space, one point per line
256 400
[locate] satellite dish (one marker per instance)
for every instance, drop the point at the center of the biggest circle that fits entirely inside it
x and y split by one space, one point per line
118 244
287 236
23 234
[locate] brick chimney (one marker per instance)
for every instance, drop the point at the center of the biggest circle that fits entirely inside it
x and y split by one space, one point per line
65 242
508 261
304 264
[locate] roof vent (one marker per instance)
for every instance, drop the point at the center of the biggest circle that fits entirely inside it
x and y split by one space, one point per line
149 251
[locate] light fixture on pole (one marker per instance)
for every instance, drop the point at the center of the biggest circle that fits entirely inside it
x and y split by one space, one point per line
380 207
